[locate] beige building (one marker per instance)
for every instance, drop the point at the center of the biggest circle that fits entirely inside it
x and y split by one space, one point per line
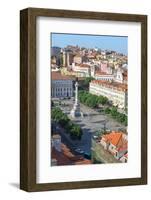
103 76
116 143
78 59
82 70
121 76
115 92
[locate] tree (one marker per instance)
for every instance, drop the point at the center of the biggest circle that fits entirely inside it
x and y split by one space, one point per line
69 126
125 121
87 81
107 110
52 103
64 120
76 132
82 96
91 101
102 100
114 112
59 117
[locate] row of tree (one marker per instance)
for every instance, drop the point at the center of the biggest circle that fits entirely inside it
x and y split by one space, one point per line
62 119
91 100
94 101
86 82
120 117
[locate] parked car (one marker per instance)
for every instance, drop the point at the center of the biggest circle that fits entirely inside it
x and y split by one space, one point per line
78 150
95 137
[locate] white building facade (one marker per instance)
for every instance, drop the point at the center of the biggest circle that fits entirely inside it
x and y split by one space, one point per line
82 70
61 86
121 76
104 76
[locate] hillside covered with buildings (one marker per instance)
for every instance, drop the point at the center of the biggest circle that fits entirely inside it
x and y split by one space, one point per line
96 82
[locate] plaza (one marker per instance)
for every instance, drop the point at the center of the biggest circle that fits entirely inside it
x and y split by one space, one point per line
91 122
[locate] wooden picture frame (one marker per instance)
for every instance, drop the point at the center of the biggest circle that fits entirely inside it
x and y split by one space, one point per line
28 98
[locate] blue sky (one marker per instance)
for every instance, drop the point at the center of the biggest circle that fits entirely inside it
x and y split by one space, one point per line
116 43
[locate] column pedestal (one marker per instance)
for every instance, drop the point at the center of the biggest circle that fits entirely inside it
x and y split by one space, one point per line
75 112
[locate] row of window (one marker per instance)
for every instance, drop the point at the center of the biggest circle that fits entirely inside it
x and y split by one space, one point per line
61 89
106 79
60 94
61 85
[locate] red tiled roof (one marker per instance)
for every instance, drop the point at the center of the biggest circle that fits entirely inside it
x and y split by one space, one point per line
114 85
61 158
65 157
117 139
59 76
113 138
84 65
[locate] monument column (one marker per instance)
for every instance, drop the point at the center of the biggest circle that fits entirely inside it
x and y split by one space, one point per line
76 93
75 112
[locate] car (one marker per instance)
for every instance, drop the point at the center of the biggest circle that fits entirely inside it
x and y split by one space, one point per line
95 137
78 150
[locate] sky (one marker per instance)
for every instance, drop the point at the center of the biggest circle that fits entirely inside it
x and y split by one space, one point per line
116 43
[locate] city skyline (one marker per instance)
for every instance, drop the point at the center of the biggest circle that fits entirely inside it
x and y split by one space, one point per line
89 99
115 43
